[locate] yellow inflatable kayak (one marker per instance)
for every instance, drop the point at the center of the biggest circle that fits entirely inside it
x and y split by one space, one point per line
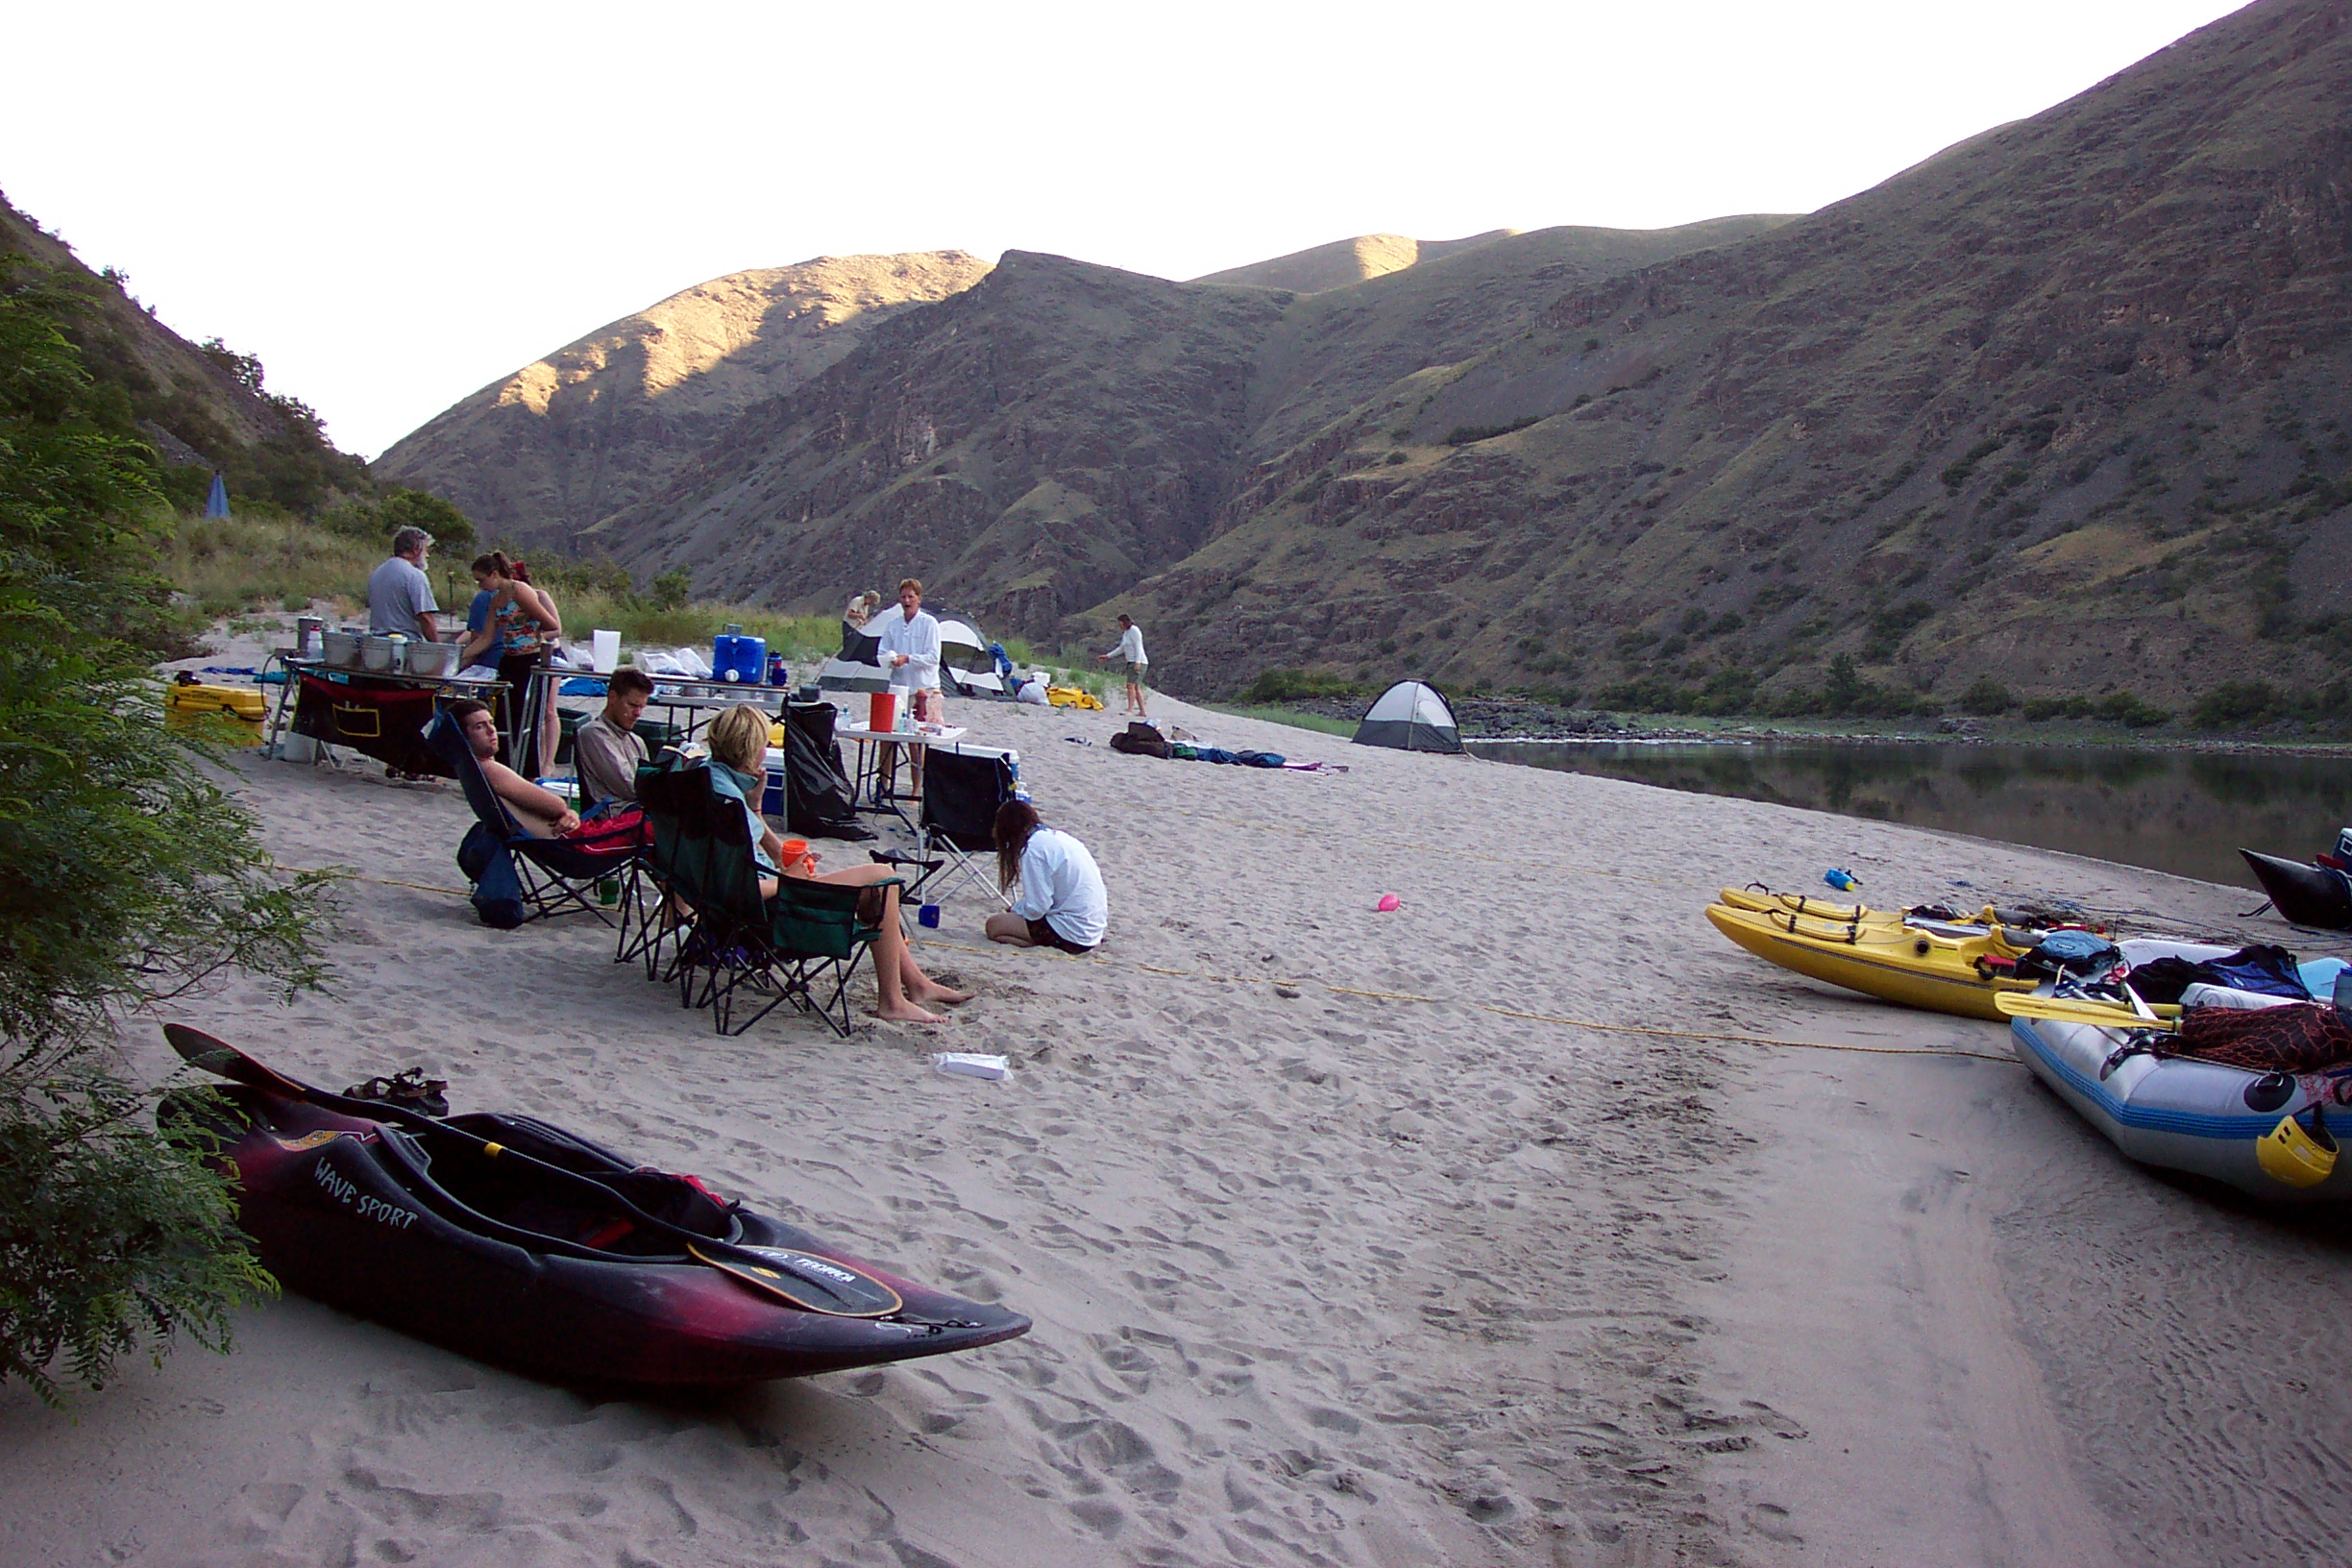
1943 968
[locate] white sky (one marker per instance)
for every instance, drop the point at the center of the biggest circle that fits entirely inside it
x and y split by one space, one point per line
395 205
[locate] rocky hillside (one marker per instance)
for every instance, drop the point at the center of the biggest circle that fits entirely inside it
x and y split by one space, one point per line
2063 410
607 420
1060 431
201 407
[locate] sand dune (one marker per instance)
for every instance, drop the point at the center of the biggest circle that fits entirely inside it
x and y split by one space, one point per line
1337 1254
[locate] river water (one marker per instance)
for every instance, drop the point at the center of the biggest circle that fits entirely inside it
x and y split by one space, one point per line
2182 812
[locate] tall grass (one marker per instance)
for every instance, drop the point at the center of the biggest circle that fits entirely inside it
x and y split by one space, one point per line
233 565
237 565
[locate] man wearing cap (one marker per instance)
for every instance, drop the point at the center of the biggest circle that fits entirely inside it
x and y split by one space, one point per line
400 595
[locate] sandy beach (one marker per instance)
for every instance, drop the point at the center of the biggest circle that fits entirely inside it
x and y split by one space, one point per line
1531 1223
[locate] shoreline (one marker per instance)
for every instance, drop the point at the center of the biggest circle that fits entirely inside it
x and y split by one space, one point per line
1529 1222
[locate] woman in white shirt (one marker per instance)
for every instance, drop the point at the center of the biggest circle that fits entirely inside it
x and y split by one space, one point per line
1062 902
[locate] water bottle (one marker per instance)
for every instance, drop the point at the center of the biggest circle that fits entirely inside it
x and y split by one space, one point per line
1843 880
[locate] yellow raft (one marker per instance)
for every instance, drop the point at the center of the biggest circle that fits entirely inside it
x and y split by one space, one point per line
1935 966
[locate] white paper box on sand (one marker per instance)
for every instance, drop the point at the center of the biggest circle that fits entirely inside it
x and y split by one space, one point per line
969 1064
604 651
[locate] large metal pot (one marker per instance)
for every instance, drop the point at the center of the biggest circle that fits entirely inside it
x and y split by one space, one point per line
380 654
432 660
342 648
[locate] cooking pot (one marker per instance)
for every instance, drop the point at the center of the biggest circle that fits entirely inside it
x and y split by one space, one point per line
342 648
379 653
438 660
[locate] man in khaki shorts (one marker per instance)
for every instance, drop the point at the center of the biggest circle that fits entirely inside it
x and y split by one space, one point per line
1130 652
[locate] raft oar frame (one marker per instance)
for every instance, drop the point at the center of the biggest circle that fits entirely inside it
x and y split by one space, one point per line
801 1279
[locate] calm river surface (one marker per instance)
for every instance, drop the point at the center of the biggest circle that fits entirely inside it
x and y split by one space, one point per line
2182 812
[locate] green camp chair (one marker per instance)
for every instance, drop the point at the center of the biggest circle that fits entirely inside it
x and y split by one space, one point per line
802 945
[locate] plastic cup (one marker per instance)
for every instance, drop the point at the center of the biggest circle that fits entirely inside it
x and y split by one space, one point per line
604 651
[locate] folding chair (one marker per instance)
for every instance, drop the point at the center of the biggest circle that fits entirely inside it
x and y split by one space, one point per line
956 833
803 944
656 918
557 876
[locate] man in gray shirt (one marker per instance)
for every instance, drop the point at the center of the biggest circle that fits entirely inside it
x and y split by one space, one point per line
400 595
607 752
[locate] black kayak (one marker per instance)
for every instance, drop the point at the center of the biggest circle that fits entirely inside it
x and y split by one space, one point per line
2306 895
513 1240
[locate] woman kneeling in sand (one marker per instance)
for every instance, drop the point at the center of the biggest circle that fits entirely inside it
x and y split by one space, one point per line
1062 902
739 742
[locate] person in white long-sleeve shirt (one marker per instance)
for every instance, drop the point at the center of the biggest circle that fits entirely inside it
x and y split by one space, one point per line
1130 652
1062 902
908 643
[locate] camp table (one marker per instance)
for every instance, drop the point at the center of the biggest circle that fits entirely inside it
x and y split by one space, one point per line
351 688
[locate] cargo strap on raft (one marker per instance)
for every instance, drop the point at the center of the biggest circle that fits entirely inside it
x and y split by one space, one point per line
1852 939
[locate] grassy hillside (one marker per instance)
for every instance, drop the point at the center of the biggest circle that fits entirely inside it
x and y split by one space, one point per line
201 408
2059 415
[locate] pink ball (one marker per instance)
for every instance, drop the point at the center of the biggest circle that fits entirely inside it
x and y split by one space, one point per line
1389 904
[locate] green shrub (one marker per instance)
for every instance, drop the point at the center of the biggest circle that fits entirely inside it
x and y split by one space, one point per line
2233 704
1957 474
132 878
1987 696
672 589
2126 708
1463 435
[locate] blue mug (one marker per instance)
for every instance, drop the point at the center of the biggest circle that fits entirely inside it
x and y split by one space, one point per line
927 916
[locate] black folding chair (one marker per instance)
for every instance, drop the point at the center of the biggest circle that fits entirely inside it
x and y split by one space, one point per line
557 876
956 832
655 920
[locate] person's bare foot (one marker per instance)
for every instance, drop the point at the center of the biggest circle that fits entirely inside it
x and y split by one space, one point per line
944 996
907 1012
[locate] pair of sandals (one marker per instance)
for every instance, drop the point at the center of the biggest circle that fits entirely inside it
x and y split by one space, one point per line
410 1089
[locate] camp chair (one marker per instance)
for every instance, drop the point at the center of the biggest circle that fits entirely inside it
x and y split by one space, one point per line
656 917
803 945
556 876
956 832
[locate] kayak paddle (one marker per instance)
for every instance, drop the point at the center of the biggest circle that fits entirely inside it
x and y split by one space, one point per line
810 1282
2083 1009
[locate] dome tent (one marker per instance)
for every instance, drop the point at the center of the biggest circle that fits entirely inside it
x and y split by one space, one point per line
1410 716
968 666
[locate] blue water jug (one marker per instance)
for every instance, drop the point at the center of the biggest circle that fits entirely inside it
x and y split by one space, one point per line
737 658
1845 881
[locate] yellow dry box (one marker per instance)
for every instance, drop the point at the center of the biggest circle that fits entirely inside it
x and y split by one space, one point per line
231 713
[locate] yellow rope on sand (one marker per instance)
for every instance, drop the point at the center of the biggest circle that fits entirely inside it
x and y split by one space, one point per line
1400 996
1593 1024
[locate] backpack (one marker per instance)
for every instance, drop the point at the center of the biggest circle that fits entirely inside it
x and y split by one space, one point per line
1141 740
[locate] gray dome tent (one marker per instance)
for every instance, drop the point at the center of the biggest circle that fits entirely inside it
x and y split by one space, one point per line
1410 716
